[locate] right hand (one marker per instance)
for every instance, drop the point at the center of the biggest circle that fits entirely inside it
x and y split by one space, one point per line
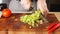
41 5
26 4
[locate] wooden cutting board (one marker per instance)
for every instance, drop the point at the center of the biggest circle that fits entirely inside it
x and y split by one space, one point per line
13 23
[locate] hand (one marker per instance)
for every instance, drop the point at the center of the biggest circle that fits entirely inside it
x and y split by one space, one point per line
41 5
26 4
45 13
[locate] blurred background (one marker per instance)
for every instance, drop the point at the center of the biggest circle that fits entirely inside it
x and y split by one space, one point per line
53 5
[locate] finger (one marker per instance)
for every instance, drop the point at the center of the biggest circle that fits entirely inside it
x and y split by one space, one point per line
45 13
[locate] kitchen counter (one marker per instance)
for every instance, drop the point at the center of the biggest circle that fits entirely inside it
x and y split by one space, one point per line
12 25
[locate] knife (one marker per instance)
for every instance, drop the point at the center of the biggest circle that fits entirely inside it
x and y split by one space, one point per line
44 19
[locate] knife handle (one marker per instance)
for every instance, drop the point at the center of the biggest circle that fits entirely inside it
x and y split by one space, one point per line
52 29
51 25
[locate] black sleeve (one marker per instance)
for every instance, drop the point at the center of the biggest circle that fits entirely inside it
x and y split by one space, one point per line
33 0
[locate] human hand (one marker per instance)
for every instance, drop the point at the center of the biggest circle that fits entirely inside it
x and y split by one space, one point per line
44 13
41 5
26 4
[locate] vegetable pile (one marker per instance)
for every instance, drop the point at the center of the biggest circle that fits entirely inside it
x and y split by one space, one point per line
32 18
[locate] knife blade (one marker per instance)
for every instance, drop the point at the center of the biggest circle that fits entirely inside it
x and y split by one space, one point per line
44 19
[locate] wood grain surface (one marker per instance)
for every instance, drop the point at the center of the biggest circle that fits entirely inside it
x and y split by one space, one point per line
13 24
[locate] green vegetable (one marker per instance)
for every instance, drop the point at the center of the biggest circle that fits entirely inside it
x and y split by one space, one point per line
30 19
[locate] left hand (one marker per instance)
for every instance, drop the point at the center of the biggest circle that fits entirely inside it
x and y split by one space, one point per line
26 4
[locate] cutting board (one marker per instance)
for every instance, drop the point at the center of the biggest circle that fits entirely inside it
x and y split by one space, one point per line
13 23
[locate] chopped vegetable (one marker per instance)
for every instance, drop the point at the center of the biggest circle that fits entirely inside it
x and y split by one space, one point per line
30 19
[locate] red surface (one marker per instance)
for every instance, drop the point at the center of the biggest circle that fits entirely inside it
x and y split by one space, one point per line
51 25
53 28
